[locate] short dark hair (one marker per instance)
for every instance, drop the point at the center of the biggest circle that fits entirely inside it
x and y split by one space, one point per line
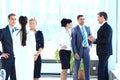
65 21
79 16
104 14
11 14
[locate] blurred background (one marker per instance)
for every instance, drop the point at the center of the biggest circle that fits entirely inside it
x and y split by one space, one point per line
49 13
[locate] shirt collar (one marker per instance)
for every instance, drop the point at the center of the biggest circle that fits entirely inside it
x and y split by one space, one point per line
81 26
10 27
103 23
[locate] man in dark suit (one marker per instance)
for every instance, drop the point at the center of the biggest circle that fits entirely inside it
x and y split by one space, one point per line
81 46
8 61
104 45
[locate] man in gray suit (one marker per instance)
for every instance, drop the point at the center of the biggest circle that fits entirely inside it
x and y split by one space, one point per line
81 46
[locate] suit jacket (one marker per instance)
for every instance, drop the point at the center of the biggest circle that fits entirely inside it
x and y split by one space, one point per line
7 44
39 40
77 39
104 40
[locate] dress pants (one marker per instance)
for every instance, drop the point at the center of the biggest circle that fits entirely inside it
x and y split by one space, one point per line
10 70
84 53
103 68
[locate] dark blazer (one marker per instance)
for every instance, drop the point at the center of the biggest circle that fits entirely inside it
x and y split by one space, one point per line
104 40
77 38
39 40
7 44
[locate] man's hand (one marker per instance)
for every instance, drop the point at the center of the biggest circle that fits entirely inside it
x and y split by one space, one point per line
77 57
88 47
91 38
5 55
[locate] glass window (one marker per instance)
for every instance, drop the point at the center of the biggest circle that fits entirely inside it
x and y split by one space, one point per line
49 13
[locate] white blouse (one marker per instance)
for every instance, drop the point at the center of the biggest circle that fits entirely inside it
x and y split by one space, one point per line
65 39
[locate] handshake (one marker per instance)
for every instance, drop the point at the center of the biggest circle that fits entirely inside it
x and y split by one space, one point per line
91 38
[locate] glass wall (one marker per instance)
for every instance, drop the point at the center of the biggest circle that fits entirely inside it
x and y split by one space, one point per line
49 13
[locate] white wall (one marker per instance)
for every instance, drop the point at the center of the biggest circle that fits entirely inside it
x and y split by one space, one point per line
118 32
112 19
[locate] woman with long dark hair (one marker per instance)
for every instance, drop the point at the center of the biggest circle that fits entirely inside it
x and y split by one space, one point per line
24 48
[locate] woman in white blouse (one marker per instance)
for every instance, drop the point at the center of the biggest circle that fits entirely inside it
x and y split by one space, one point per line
24 48
65 46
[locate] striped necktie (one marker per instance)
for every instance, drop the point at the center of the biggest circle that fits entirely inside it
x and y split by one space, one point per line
84 35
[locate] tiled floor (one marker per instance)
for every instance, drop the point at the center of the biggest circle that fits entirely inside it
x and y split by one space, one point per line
57 77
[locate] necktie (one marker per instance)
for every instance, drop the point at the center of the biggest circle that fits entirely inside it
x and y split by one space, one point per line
84 35
12 30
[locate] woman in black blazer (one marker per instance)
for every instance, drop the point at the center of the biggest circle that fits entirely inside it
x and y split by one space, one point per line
39 47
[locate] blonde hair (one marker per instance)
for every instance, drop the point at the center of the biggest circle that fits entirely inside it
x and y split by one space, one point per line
33 19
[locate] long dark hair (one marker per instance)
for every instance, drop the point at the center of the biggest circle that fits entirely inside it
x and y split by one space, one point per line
23 21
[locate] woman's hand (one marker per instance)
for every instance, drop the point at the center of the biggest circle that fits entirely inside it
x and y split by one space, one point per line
36 57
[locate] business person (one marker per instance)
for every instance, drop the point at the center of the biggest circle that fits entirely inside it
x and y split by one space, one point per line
65 46
81 46
8 61
24 48
104 45
39 47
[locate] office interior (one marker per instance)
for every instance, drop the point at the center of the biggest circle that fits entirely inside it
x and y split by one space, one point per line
48 14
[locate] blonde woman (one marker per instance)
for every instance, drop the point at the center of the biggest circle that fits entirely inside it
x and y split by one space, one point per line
39 47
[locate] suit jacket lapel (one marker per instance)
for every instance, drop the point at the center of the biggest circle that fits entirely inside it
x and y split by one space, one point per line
87 30
100 29
9 34
78 28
